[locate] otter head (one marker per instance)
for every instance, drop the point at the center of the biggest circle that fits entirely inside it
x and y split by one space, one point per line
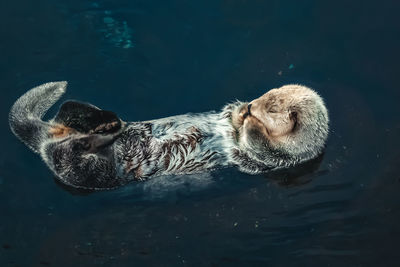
285 126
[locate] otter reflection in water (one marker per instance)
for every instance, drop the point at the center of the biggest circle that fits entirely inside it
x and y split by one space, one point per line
90 148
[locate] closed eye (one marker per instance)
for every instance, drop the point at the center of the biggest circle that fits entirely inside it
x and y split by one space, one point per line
273 110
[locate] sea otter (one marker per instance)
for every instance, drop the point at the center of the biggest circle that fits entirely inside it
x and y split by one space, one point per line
90 148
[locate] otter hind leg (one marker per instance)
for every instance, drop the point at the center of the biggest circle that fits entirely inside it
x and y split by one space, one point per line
86 118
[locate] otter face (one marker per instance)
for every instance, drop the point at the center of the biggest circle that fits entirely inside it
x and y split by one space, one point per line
290 123
275 111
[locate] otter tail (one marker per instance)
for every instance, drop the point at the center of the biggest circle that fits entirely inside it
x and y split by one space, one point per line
26 114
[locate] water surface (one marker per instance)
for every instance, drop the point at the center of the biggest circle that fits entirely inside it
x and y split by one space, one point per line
152 59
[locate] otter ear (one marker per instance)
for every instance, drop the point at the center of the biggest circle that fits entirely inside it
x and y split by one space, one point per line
293 117
87 118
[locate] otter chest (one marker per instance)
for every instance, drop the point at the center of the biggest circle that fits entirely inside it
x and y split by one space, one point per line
141 152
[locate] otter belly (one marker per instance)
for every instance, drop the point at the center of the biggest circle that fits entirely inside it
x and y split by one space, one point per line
139 154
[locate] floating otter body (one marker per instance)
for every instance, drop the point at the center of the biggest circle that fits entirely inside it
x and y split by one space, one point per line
87 147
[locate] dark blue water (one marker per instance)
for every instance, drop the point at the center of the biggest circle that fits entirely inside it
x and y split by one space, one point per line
151 59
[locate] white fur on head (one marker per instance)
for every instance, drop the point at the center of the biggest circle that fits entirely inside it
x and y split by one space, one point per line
309 136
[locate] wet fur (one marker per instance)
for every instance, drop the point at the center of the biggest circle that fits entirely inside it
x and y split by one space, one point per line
90 148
